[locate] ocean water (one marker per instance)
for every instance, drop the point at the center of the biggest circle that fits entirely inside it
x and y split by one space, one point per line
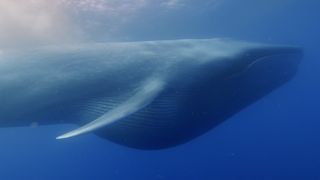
276 138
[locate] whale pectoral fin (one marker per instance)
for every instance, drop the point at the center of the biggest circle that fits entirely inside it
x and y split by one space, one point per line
144 96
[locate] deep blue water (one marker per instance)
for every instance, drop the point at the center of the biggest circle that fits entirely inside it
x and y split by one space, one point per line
277 138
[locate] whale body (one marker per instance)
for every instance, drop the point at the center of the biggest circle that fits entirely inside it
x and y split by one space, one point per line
146 95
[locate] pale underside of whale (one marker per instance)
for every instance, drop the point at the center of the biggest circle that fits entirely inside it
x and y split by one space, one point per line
147 95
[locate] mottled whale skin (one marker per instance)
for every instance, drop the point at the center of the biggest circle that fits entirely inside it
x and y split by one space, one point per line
146 95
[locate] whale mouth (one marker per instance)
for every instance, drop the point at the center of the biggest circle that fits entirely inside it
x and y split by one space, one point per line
292 57
278 66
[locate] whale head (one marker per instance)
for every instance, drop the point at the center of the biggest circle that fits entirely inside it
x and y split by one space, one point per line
211 82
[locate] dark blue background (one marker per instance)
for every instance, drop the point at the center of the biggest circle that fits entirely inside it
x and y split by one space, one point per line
276 138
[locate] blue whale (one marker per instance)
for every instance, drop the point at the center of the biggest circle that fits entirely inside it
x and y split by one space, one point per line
146 95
